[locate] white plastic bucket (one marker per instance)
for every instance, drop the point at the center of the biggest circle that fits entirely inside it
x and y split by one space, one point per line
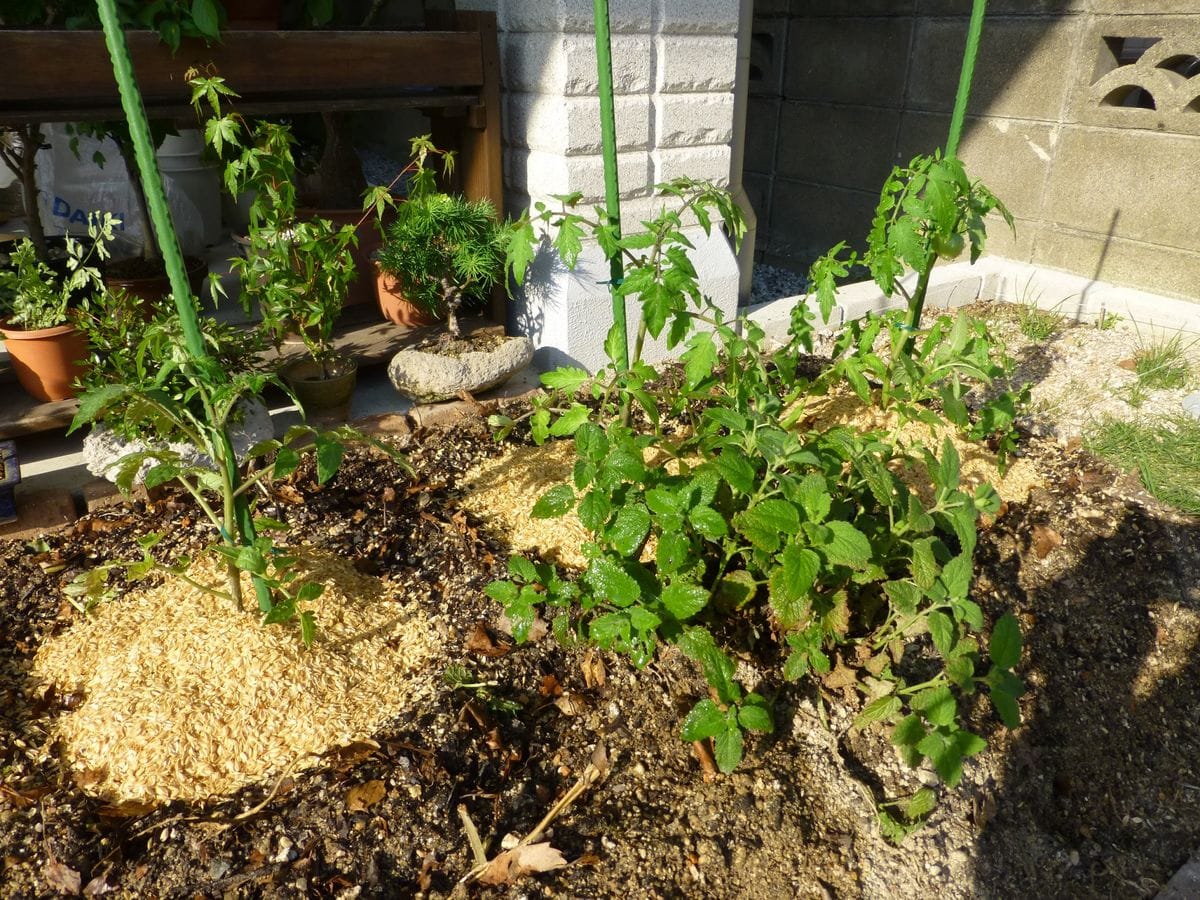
186 174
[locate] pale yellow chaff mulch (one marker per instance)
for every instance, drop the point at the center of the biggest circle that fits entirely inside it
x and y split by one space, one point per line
185 698
502 490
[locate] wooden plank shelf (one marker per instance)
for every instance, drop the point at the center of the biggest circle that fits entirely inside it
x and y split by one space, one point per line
360 333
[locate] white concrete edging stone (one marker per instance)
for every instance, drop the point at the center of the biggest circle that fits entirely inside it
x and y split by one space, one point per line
996 278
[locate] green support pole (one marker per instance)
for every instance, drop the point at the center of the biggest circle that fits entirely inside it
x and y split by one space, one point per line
168 242
612 192
156 198
965 77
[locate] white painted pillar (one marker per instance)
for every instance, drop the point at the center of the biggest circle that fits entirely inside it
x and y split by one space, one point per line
674 64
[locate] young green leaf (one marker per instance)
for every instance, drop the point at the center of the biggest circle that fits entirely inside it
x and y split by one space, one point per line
554 503
727 749
754 714
1005 645
705 720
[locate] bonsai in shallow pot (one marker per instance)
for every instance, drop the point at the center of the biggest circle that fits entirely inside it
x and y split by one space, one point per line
445 254
38 307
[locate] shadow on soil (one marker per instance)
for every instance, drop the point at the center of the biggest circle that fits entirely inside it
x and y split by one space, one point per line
1100 789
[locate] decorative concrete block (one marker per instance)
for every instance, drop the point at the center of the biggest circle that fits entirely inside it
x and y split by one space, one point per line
574 15
1034 89
862 62
695 64
1166 270
808 219
851 146
762 123
1127 184
565 64
705 163
571 127
697 16
690 120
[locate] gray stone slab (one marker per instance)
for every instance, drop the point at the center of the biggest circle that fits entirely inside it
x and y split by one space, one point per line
1191 405
1185 885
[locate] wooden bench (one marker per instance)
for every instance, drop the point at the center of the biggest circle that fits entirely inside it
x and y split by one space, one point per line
453 75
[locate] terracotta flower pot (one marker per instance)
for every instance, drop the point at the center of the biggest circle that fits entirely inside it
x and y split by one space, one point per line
47 360
153 289
395 307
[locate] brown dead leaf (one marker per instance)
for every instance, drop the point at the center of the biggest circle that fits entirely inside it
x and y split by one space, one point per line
288 494
363 796
1045 539
512 865
572 704
25 798
425 876
389 494
550 686
345 758
98 887
594 673
842 676
1130 365
127 809
481 642
62 878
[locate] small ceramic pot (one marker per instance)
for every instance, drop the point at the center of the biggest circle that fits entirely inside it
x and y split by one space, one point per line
322 396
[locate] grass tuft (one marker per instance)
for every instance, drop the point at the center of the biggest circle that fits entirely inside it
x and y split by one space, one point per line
1166 454
1163 366
1039 324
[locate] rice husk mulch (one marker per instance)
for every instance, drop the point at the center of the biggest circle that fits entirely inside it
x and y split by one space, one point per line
185 698
501 491
978 463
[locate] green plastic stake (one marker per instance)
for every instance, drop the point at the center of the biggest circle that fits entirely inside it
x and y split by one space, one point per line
612 192
965 77
168 242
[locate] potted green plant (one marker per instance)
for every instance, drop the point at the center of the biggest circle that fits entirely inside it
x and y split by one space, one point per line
441 255
37 308
296 271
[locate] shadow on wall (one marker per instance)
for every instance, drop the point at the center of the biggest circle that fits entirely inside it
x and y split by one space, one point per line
1100 792
838 98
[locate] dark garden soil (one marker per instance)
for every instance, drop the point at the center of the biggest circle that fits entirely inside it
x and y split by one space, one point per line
1097 795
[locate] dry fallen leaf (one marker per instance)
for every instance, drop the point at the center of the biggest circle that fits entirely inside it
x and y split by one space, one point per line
1128 364
513 865
571 704
594 673
349 756
363 796
550 686
62 878
481 642
98 887
1045 539
127 809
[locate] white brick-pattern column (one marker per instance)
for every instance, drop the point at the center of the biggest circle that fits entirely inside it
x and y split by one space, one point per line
674 63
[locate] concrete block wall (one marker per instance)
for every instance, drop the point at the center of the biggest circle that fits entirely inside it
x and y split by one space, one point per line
674 65
1059 126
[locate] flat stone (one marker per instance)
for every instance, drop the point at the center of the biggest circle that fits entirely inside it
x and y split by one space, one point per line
100 494
40 512
1191 405
394 424
1185 884
430 377
103 450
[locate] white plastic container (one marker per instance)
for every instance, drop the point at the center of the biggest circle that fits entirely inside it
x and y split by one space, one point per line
186 174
